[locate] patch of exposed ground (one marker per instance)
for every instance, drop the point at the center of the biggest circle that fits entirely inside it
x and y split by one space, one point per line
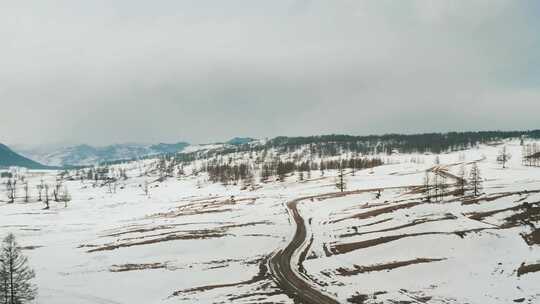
359 298
524 214
495 196
201 234
29 247
143 229
527 268
348 247
383 267
377 212
197 208
413 223
261 275
532 238
135 267
190 235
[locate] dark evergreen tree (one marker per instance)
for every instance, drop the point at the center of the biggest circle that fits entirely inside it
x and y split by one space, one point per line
15 274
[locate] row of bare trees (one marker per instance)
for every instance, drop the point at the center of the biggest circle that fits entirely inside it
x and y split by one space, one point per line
436 185
44 191
530 155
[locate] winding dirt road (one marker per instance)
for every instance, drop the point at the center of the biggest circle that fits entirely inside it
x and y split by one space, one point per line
280 265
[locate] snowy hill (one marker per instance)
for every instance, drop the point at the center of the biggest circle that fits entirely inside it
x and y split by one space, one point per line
206 232
89 155
9 158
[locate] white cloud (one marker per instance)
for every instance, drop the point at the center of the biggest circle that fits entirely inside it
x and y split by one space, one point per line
120 70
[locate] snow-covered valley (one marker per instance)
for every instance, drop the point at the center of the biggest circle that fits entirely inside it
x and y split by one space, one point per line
188 240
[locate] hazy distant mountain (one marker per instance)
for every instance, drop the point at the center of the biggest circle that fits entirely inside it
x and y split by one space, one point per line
81 155
240 141
9 158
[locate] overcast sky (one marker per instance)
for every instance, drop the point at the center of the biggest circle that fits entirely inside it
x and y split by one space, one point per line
105 71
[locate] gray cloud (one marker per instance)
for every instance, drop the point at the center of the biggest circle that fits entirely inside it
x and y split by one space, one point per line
117 71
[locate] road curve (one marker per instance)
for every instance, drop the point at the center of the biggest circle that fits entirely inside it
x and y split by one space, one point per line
280 264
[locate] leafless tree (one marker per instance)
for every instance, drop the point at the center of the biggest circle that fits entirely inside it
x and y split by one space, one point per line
503 156
427 186
11 189
145 187
40 188
46 192
340 184
56 190
475 179
26 191
65 196
462 181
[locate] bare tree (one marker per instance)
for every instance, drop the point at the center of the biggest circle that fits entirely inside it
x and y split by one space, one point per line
145 187
40 188
112 186
11 189
46 192
65 196
427 186
503 156
476 179
436 186
26 194
56 190
462 181
15 274
340 184
443 186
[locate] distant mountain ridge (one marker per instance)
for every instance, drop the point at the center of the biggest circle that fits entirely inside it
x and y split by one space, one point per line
8 158
84 155
240 140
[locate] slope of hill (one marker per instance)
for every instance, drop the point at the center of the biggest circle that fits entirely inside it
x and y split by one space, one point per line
287 238
82 155
9 158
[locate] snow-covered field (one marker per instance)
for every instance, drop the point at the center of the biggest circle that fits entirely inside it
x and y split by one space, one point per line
210 244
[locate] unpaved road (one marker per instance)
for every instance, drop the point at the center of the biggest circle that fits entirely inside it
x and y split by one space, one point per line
281 269
280 262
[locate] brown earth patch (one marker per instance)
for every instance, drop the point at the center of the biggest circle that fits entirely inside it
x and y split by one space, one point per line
496 196
532 238
414 223
142 229
204 207
135 267
378 212
201 234
261 275
29 247
382 267
348 247
525 214
527 268
192 235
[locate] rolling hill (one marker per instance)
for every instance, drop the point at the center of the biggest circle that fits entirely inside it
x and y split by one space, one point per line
8 158
84 155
